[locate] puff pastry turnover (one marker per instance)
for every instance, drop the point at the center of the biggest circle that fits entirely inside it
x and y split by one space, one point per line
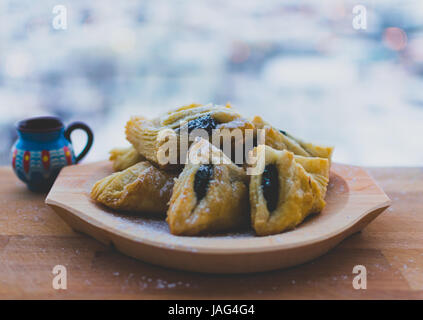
287 191
147 136
139 188
210 195
123 158
281 140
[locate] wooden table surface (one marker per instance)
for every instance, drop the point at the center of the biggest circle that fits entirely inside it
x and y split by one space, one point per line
33 239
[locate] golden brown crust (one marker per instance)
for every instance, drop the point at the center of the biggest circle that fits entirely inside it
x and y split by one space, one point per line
147 135
224 206
124 158
299 194
140 188
318 169
142 134
315 150
284 141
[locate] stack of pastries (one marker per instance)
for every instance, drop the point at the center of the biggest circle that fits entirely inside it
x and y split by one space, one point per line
281 180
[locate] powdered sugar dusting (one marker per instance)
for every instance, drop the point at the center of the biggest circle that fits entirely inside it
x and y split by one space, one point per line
154 228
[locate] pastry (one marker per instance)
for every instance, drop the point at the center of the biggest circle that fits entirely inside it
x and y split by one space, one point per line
312 149
210 195
124 158
286 189
212 170
318 169
281 140
139 188
165 140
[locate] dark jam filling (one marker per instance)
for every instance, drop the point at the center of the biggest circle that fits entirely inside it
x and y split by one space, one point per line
270 184
202 180
283 132
205 122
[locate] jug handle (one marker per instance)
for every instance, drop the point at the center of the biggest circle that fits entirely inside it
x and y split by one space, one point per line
90 137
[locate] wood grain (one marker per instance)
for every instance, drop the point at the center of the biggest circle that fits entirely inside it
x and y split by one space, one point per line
33 239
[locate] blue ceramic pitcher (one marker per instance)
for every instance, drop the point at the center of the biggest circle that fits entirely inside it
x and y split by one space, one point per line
43 148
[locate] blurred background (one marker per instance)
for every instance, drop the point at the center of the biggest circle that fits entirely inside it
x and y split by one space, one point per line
299 64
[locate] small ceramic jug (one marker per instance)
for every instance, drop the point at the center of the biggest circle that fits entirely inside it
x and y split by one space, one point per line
43 148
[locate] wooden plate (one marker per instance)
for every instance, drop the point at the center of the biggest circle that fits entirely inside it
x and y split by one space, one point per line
353 201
